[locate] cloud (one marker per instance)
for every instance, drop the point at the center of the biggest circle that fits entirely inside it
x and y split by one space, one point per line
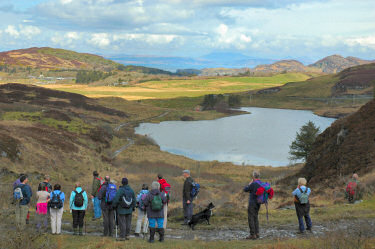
27 31
368 41
100 40
12 31
67 39
231 37
146 38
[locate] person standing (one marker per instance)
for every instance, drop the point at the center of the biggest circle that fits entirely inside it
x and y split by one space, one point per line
56 208
254 206
124 203
154 203
187 200
78 205
142 211
96 185
106 195
45 184
42 208
165 189
352 191
301 201
22 205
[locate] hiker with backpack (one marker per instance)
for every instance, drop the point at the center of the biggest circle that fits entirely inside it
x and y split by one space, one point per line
56 204
154 203
45 185
78 205
165 188
352 189
106 195
301 201
142 215
96 185
124 203
259 193
18 181
22 195
187 199
41 208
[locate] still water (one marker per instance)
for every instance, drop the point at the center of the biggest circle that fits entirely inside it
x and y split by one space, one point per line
262 137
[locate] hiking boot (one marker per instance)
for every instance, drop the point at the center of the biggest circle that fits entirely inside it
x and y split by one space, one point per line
80 232
301 232
257 235
120 239
127 237
75 232
161 234
309 229
136 234
152 235
251 237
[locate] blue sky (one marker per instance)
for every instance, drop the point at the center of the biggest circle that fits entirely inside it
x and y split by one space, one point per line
188 28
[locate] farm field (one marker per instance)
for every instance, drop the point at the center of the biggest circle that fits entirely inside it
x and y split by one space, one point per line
182 88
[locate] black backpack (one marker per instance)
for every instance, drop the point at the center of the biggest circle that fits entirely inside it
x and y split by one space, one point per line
56 202
78 199
126 199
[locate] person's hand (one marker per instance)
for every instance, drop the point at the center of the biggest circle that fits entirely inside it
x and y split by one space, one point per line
188 202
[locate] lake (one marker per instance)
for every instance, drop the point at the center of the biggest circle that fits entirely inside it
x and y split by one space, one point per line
262 137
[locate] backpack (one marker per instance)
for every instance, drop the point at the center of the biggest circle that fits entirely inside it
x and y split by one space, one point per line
56 202
101 182
78 199
111 193
156 203
195 189
45 186
351 188
126 199
141 198
304 198
17 194
166 188
264 192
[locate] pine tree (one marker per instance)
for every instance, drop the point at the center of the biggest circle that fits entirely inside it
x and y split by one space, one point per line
302 145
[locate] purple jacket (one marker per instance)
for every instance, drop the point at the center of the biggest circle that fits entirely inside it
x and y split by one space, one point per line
16 183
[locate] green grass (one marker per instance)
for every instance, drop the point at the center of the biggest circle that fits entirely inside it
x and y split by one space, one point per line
75 125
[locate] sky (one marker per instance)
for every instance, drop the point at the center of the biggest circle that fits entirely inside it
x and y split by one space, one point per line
191 28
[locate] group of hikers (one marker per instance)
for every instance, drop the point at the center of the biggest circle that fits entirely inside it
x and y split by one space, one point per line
116 205
260 192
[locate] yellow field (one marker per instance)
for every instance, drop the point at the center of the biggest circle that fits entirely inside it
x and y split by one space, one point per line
181 88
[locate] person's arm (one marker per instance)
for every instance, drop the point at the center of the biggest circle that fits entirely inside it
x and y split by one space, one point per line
71 200
62 197
308 191
102 192
134 201
86 200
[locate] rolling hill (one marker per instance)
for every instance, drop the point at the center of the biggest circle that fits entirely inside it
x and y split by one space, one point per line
337 63
285 66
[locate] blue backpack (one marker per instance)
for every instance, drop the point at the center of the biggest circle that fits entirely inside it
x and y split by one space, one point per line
194 189
111 193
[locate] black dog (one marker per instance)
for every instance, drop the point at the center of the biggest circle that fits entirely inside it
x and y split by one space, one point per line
205 215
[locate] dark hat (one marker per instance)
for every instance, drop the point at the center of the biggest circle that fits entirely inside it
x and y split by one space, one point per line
124 181
95 173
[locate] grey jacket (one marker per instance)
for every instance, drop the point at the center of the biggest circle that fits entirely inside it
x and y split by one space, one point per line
150 196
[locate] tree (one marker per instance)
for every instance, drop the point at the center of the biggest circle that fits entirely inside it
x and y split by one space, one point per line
302 145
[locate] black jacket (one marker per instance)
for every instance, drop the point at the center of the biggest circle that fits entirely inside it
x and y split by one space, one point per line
188 185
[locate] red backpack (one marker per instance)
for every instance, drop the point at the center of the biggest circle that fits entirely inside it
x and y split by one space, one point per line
351 188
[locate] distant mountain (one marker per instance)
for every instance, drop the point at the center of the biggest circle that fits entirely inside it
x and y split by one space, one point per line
337 63
284 66
52 58
212 60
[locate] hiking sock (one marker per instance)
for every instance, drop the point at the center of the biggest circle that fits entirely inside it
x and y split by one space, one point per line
161 234
152 235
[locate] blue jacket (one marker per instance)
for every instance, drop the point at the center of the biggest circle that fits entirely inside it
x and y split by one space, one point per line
57 192
73 194
26 192
298 193
252 189
139 196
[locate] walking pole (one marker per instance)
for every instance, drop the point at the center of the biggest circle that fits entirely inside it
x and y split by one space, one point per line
116 222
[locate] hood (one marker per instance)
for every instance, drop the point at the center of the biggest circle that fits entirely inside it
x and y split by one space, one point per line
155 191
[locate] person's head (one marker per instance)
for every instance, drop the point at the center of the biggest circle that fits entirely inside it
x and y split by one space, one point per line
256 174
124 181
24 179
302 181
355 176
77 185
57 187
107 179
144 186
95 173
47 178
160 176
22 174
155 185
186 173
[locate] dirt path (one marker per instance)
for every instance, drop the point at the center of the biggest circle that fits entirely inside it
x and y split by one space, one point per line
131 141
359 227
